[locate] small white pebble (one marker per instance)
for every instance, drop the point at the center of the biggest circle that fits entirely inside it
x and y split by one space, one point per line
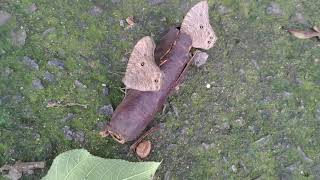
104 85
234 168
208 85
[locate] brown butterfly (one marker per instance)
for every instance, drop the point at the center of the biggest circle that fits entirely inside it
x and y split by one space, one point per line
196 24
142 72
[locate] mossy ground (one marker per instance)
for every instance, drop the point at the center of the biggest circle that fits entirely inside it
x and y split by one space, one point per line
259 120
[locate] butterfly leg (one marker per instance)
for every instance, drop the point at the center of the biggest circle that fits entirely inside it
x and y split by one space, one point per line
150 131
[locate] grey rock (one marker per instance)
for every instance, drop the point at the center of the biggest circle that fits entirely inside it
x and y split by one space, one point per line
121 22
167 175
79 84
223 10
274 9
30 63
156 2
49 77
95 11
299 18
32 8
200 58
4 17
106 110
18 37
57 63
78 136
68 133
105 91
37 84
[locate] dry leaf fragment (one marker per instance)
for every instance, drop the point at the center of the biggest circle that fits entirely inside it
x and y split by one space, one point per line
130 21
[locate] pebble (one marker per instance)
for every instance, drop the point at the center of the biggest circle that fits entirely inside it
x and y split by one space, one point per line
105 91
30 63
49 77
37 84
4 17
106 110
200 58
70 134
234 168
57 63
18 37
79 84
95 11
274 9
121 22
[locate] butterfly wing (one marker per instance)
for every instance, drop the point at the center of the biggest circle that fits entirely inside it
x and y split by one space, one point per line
196 24
142 72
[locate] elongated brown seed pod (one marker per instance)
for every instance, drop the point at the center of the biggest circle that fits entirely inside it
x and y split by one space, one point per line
138 108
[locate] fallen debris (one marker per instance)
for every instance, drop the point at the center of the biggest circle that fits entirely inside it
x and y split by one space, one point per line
14 172
54 103
130 22
143 149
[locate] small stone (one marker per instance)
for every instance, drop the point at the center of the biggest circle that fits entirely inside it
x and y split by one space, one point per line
234 168
18 37
156 2
68 134
30 63
105 91
49 77
274 9
79 84
208 86
78 136
223 10
57 63
4 17
200 58
32 8
121 22
95 11
37 84
106 110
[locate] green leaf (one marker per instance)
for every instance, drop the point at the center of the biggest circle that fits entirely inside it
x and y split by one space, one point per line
79 164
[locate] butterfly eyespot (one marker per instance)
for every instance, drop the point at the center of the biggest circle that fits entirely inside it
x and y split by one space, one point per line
209 42
156 81
211 37
201 27
142 64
